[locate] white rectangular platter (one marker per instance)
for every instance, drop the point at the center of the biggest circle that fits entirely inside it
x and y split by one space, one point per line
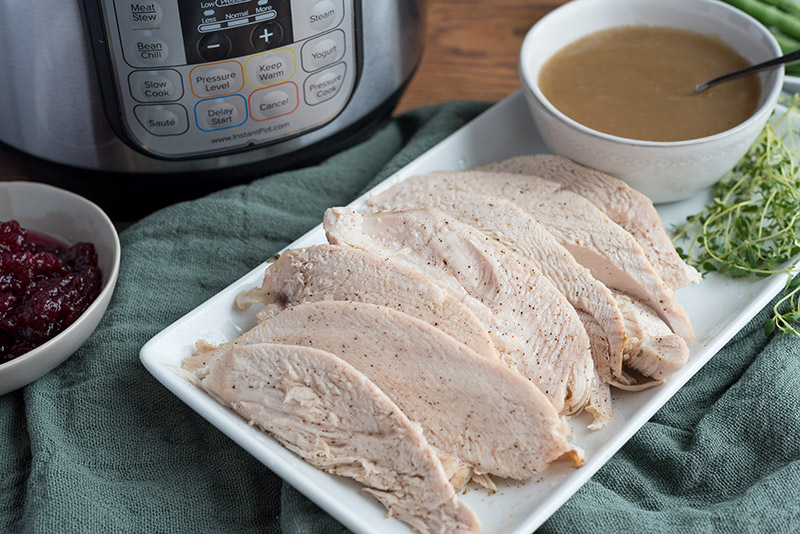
718 308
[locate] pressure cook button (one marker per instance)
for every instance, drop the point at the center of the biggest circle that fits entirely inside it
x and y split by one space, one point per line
270 68
216 79
150 51
323 15
274 101
220 113
324 85
161 120
145 14
156 85
323 51
214 46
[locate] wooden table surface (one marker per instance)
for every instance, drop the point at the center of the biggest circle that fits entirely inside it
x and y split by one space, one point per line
470 53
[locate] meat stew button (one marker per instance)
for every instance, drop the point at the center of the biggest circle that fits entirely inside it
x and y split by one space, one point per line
161 120
324 85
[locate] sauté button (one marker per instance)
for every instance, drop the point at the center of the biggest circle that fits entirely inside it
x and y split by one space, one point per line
161 120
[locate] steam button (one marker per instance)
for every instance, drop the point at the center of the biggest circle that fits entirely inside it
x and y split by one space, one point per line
323 15
161 120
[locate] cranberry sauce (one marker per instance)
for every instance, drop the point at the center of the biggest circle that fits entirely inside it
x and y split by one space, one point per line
45 285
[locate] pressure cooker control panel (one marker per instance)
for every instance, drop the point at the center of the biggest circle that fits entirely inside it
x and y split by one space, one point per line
201 77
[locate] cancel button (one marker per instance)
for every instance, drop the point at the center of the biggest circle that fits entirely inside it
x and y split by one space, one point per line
324 85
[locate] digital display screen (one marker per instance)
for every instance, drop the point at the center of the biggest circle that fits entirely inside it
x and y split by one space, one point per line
215 30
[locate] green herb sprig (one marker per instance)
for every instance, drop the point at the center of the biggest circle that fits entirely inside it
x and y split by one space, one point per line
752 225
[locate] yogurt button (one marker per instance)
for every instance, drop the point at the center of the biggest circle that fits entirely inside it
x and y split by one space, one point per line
170 119
323 51
323 15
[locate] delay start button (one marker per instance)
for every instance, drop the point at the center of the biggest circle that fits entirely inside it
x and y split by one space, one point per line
162 120
324 85
220 113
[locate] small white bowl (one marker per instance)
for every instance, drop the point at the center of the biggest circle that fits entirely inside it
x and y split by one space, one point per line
664 171
53 211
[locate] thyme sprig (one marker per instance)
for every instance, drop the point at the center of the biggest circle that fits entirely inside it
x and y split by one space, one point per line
752 225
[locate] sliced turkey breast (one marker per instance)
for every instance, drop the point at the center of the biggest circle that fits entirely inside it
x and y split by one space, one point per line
624 205
502 220
468 406
554 348
654 351
611 254
332 272
332 416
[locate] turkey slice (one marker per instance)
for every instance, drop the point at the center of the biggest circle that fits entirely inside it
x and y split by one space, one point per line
624 205
553 348
332 416
611 254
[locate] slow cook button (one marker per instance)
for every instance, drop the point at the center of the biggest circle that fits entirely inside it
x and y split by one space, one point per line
216 79
324 85
220 113
323 51
274 101
167 119
323 15
156 85
270 68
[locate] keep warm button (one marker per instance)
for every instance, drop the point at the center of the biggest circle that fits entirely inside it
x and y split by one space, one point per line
324 85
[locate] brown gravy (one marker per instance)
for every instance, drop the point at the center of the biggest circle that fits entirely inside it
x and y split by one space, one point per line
638 82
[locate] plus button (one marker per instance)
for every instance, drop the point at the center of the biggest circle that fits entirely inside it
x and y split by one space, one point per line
266 35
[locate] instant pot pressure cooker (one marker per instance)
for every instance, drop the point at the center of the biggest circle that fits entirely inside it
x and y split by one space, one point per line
186 86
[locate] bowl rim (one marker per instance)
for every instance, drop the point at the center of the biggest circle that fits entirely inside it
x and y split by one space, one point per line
533 88
108 287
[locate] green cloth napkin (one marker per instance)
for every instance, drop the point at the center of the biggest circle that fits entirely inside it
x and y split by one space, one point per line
98 445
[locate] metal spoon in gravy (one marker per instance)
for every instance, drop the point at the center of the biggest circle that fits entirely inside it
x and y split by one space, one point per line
788 58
